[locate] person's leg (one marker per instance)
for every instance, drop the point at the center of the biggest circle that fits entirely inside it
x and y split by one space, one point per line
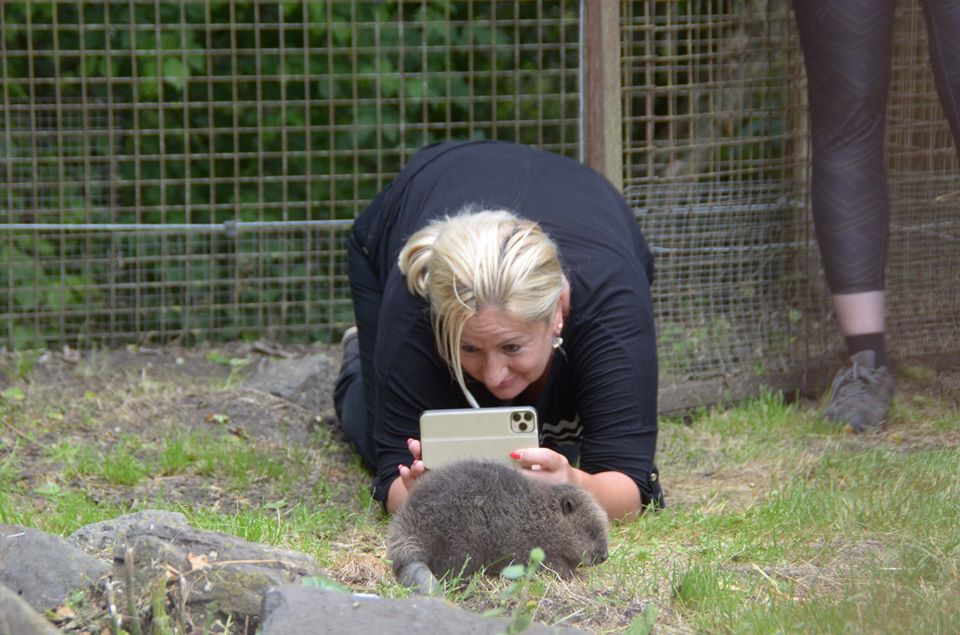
353 392
862 321
943 31
847 48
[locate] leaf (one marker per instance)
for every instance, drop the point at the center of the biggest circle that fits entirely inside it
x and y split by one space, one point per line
323 582
513 572
13 393
64 613
510 591
537 555
198 562
643 623
48 489
521 623
173 72
218 358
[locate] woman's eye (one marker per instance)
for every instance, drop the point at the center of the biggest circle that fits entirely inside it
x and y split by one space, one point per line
512 348
466 348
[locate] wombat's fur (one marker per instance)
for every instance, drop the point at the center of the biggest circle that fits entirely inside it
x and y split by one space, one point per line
481 514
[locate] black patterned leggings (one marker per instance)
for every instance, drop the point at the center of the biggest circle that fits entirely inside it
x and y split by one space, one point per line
846 49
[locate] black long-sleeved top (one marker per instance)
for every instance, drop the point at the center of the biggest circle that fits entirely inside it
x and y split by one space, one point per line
599 403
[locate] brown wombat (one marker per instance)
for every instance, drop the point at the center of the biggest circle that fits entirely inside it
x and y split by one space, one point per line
481 514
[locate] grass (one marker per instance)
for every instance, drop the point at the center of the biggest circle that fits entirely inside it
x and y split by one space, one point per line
776 522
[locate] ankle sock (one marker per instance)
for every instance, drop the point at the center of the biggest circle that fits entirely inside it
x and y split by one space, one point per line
869 342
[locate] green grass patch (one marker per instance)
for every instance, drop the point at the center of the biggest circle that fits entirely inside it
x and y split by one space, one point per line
776 521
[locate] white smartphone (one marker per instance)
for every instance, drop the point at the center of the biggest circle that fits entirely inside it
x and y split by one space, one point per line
476 433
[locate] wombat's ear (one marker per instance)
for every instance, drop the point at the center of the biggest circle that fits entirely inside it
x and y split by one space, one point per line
568 504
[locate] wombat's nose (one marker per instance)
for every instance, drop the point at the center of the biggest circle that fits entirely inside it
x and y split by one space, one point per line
600 556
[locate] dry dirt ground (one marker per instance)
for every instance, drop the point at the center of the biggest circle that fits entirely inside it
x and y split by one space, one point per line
96 399
103 398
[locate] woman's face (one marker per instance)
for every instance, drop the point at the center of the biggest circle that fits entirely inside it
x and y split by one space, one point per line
504 352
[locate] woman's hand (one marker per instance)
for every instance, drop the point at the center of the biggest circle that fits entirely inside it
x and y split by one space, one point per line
547 465
401 487
616 492
409 475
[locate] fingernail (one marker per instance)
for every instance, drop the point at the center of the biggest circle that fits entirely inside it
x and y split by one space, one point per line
516 455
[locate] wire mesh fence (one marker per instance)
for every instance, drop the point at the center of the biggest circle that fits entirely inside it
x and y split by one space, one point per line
160 121
713 163
923 271
188 170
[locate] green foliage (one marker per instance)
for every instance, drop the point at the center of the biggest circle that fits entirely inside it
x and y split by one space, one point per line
280 111
519 591
309 86
323 582
643 624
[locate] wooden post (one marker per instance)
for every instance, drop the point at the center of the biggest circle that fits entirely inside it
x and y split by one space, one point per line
601 111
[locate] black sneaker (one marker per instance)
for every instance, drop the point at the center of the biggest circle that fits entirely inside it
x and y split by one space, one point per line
861 395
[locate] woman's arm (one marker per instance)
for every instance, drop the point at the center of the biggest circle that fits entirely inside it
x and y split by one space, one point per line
396 495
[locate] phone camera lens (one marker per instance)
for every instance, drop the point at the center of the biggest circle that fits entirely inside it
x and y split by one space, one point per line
523 426
527 416
515 416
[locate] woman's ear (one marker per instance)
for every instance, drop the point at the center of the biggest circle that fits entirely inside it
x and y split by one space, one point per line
563 308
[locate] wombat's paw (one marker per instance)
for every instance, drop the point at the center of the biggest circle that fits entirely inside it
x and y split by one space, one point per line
418 577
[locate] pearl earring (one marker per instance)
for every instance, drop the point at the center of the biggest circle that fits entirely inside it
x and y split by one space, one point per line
557 341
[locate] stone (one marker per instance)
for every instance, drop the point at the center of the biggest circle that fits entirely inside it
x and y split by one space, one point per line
309 610
300 380
215 571
100 538
18 618
44 569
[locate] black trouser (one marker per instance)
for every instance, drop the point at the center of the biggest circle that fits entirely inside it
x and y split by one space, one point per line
847 49
354 395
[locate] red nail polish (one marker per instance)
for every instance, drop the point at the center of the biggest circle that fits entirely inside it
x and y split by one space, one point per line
516 455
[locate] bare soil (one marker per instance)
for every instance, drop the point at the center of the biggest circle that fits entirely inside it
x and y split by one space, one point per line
138 398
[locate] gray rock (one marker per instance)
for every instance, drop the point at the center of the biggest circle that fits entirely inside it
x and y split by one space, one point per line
101 537
18 618
300 380
217 572
44 569
309 610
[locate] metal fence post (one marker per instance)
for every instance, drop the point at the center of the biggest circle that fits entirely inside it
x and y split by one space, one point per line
601 115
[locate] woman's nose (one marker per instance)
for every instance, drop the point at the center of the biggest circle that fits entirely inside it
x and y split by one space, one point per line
494 372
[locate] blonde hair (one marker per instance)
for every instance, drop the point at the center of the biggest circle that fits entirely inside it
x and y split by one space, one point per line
480 259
